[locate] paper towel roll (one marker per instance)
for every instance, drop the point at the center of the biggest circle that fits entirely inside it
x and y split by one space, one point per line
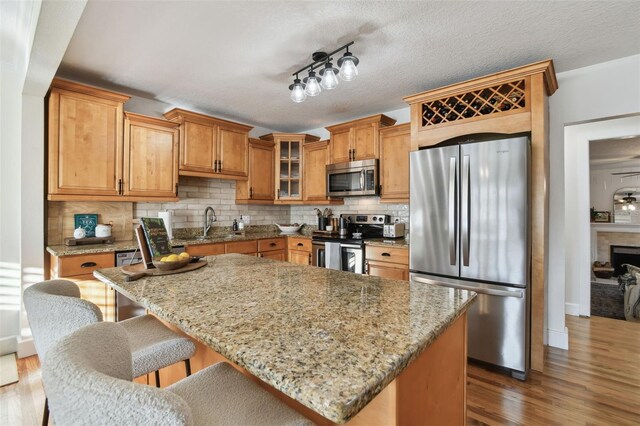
166 216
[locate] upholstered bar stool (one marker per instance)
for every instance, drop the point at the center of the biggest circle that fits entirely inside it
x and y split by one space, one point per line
87 376
55 310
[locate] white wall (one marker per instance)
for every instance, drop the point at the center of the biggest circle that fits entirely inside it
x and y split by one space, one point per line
604 184
602 90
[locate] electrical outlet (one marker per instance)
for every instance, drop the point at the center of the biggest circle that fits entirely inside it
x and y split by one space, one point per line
246 219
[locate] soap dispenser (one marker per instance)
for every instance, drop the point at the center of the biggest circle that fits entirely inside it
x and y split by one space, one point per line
235 225
241 224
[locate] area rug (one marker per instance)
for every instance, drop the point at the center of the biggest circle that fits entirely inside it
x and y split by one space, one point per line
8 369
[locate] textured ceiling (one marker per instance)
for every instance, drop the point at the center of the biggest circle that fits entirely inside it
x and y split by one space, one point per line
607 153
235 58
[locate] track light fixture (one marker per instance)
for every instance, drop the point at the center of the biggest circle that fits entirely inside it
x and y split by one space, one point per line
328 80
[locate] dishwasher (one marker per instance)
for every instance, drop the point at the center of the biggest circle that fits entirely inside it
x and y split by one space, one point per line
125 307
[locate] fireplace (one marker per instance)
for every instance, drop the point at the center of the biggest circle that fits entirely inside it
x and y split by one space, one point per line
621 255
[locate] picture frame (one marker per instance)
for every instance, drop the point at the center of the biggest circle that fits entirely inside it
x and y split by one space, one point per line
86 221
602 217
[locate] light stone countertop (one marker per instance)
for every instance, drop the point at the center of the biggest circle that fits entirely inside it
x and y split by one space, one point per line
331 340
64 250
388 242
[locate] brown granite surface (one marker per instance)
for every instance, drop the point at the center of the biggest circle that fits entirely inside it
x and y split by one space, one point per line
331 340
62 250
388 242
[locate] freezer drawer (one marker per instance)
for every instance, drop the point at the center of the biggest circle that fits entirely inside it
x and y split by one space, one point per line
497 325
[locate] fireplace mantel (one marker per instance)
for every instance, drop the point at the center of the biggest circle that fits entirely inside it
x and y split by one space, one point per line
614 227
600 246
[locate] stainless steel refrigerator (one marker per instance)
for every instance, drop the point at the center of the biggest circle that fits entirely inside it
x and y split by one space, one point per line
469 229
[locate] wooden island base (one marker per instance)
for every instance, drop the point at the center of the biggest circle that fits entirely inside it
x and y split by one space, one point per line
431 390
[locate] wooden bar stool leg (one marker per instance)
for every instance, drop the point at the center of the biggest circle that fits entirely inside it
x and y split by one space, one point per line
157 378
45 414
187 366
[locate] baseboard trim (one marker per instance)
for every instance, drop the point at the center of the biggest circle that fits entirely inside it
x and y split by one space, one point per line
572 309
26 348
559 339
8 345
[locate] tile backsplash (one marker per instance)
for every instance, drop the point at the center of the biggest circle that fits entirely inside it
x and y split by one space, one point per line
197 193
306 214
60 218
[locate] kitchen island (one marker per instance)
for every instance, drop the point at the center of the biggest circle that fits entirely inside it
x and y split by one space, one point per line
329 342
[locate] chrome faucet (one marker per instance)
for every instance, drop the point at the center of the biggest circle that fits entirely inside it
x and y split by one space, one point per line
208 221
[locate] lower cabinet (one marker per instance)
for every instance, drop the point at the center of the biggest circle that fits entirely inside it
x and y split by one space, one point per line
79 269
387 262
273 248
242 247
299 250
205 249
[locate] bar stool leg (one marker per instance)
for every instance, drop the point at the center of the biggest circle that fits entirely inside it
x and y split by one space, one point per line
157 378
187 366
45 415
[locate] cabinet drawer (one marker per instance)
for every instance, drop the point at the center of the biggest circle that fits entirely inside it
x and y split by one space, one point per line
302 244
392 271
82 264
242 247
387 254
275 255
205 249
271 244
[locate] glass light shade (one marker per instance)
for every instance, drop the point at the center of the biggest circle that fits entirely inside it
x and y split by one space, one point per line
348 69
297 93
313 87
329 79
625 207
632 207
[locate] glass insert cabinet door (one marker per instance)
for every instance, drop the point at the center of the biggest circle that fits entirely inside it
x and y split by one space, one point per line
289 170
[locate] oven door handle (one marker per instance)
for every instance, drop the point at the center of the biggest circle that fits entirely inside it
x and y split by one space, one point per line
351 246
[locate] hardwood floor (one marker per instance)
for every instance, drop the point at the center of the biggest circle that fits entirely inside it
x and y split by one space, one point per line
596 382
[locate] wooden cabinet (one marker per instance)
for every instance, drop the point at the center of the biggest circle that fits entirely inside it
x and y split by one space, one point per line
260 186
79 269
316 158
242 247
299 250
98 152
205 249
387 262
150 157
395 145
211 147
85 141
357 139
289 165
273 248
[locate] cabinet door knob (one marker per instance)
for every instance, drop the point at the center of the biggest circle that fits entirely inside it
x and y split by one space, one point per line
386 254
273 244
300 244
88 265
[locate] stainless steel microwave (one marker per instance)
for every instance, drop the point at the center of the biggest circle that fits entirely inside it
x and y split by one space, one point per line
352 178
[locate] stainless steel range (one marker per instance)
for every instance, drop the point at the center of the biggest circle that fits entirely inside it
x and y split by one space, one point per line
346 252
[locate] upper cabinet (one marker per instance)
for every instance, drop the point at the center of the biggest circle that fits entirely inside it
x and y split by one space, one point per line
211 147
260 187
95 153
316 158
150 156
395 145
357 139
85 135
289 164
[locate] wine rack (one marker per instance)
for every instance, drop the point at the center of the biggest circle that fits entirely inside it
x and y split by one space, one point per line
478 103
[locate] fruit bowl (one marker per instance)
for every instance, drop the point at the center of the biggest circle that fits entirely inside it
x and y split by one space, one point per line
289 229
169 266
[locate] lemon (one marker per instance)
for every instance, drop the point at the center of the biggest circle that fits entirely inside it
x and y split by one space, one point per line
164 259
173 258
184 255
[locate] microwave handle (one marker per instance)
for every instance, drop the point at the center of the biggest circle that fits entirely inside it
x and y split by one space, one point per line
362 180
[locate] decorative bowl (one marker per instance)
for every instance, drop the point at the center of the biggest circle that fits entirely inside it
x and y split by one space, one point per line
604 273
169 266
289 228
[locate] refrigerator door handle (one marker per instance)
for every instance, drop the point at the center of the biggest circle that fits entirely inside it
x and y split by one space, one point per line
465 215
452 211
480 290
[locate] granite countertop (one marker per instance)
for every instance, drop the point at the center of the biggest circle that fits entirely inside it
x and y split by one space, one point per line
63 250
388 242
331 340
